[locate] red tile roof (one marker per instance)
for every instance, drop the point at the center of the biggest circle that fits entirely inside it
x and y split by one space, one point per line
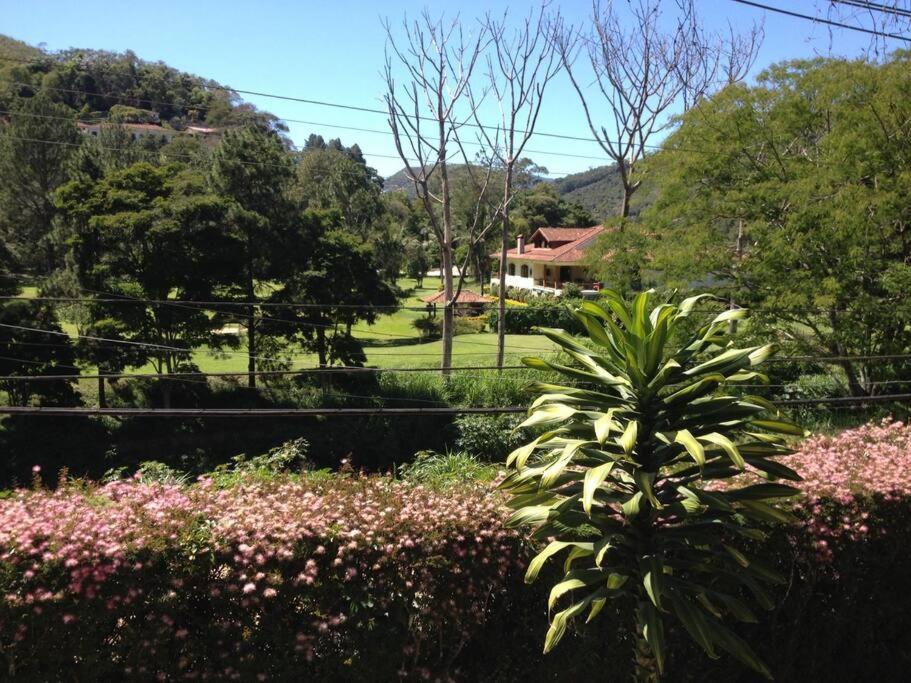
466 296
571 252
559 234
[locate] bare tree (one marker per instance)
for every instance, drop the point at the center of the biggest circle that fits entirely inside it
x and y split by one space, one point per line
438 60
645 73
522 63
888 22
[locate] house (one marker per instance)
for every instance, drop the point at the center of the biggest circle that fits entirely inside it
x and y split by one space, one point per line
136 130
467 303
209 136
551 258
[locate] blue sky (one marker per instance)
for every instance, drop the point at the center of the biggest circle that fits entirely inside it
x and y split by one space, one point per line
333 50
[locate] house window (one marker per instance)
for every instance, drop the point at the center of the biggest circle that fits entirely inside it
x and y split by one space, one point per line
512 268
524 270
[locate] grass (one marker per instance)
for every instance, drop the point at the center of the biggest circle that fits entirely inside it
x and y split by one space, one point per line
391 342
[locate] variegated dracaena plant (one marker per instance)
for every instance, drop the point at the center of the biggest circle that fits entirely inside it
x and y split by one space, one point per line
628 481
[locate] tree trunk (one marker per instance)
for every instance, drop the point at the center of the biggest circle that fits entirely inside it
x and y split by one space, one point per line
251 347
321 346
251 321
501 294
446 250
732 325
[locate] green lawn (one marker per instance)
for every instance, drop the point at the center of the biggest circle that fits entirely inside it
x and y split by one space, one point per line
393 342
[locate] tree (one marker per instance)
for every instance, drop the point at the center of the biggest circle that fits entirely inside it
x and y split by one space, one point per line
253 171
141 234
644 72
813 176
35 148
439 62
541 206
627 477
331 176
523 63
338 286
32 344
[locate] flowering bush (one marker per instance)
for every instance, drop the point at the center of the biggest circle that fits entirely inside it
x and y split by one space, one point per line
260 579
848 476
364 578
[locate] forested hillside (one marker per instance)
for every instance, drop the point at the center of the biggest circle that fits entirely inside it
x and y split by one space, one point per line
597 190
97 85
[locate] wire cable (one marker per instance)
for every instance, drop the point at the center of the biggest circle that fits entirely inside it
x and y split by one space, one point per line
820 20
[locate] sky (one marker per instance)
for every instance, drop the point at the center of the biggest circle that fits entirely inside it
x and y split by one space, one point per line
333 51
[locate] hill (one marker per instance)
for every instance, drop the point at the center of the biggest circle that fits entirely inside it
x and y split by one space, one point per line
16 49
597 190
101 84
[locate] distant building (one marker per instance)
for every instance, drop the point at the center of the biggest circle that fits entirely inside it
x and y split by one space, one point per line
145 130
467 303
552 258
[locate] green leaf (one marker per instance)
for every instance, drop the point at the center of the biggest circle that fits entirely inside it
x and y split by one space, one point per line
549 414
723 362
537 563
737 647
597 606
558 625
728 446
762 492
653 580
692 446
577 580
766 512
693 621
533 514
603 425
653 632
628 440
779 427
594 477
631 506
644 481
738 556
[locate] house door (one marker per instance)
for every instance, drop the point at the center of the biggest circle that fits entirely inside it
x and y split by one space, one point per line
564 274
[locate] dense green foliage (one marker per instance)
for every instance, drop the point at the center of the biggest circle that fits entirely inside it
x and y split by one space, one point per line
812 166
626 479
538 311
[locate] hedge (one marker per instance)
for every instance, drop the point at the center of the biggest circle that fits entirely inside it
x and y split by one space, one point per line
345 577
539 312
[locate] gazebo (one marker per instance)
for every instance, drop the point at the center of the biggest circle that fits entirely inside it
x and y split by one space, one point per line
467 303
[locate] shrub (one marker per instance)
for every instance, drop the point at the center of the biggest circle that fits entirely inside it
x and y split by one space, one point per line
571 290
167 557
445 470
488 437
469 324
619 482
430 328
539 312
355 579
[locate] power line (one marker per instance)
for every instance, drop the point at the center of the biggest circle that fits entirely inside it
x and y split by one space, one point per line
820 20
390 307
362 412
876 7
374 154
287 98
97 120
332 370
254 412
